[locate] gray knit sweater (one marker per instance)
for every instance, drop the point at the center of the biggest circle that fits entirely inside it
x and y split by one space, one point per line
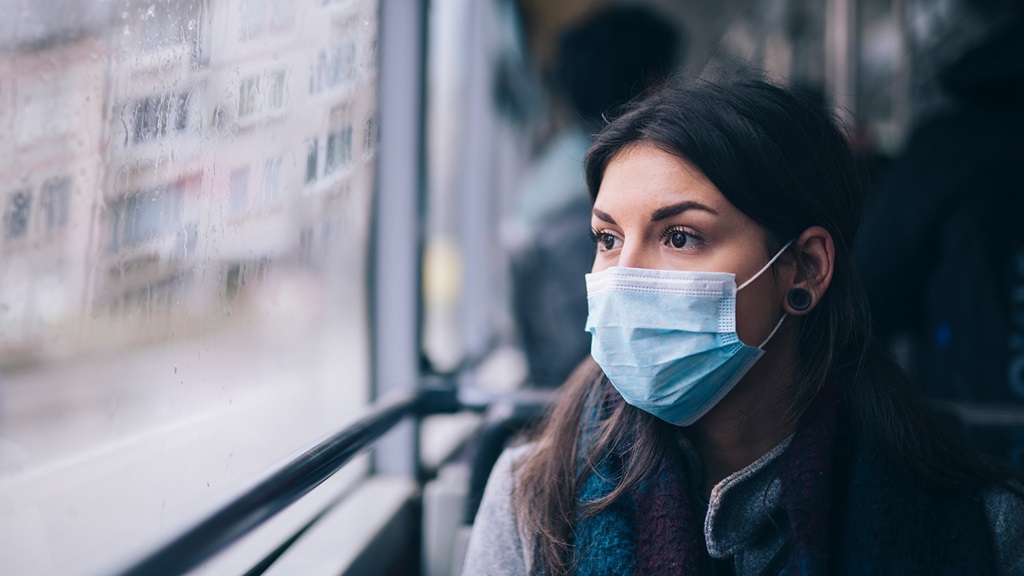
741 521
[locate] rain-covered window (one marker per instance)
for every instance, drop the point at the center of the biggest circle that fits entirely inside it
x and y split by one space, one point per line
184 209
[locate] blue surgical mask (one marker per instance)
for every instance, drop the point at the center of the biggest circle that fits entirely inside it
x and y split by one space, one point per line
667 339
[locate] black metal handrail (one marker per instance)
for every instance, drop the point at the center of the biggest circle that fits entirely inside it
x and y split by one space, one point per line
284 486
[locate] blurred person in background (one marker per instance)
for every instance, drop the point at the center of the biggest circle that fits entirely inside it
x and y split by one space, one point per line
606 59
941 248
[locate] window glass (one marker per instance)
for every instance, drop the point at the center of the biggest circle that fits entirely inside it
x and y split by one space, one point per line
182 289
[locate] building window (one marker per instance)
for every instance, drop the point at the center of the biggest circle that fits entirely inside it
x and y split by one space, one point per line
261 92
272 181
145 216
371 136
334 66
306 245
339 149
17 214
312 153
157 25
53 201
239 190
263 17
156 116
339 139
275 90
249 97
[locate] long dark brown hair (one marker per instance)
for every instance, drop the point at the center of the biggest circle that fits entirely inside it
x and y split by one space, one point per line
781 159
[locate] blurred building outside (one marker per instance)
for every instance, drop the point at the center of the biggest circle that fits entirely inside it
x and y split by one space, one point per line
170 162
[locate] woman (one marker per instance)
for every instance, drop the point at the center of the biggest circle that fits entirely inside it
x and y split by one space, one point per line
736 417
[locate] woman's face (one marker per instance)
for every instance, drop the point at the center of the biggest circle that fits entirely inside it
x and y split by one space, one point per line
655 210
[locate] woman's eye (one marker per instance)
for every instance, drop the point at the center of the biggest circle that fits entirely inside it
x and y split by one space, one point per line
679 239
605 241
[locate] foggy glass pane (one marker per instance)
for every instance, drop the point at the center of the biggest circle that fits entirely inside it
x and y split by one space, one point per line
182 290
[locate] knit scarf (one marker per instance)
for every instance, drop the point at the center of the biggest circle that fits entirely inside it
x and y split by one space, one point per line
847 514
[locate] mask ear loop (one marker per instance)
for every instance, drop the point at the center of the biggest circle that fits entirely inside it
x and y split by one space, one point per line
766 266
755 277
774 330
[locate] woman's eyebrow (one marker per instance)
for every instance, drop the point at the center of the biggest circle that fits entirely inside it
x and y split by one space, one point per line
604 217
669 211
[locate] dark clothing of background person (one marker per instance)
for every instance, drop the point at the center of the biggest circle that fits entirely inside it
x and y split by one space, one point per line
549 294
609 58
941 248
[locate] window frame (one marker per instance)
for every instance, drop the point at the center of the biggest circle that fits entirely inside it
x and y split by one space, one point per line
396 258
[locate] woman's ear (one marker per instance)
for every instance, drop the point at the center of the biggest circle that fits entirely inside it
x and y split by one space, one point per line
814 259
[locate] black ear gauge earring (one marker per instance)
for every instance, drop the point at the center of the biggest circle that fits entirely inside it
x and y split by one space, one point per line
799 299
